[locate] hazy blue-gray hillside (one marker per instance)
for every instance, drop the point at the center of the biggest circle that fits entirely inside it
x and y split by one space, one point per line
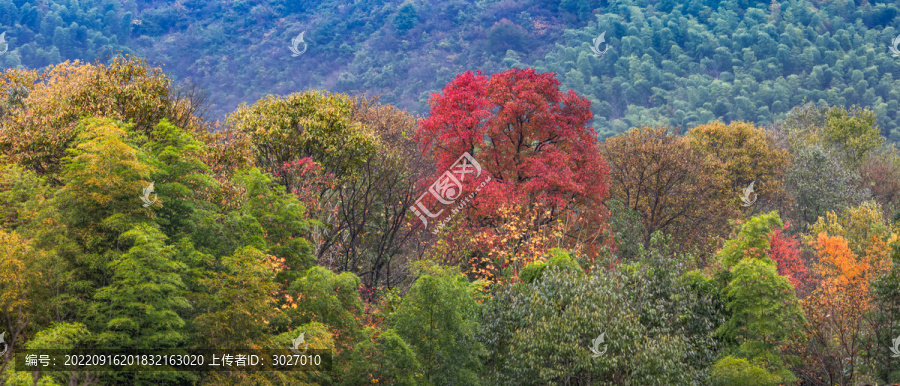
668 62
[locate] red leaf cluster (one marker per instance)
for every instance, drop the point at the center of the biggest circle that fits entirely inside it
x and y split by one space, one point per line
533 141
785 250
531 137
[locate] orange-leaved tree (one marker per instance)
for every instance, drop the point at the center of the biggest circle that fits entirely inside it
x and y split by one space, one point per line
839 266
833 335
865 230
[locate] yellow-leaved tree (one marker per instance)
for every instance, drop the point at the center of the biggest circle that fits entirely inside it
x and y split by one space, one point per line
864 230
103 177
40 118
748 154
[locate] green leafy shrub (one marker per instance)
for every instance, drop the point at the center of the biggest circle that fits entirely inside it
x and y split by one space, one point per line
558 258
738 371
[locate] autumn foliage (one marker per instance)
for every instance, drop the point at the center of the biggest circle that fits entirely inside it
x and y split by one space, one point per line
299 219
838 265
534 142
43 119
747 154
672 187
785 250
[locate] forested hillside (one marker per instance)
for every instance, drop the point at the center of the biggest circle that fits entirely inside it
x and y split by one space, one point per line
669 62
684 64
494 241
238 51
708 196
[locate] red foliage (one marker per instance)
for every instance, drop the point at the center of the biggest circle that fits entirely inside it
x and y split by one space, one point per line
306 179
785 250
530 137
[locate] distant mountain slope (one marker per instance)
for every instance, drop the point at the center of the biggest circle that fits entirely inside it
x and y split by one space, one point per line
239 50
687 64
668 62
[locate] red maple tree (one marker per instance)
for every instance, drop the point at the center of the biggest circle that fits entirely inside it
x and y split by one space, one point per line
534 142
785 250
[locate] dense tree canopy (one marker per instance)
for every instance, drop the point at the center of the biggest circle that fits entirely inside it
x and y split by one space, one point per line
498 240
540 158
672 188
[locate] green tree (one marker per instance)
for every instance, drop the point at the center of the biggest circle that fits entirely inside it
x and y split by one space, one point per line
406 18
764 313
331 299
627 230
141 307
582 8
104 176
558 258
819 182
543 333
310 124
885 318
181 178
439 319
58 336
506 35
672 298
752 241
23 194
236 300
383 357
762 306
280 223
853 132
